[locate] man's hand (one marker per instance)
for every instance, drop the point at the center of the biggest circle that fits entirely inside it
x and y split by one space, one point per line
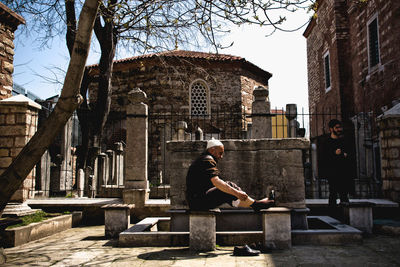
338 151
224 187
242 196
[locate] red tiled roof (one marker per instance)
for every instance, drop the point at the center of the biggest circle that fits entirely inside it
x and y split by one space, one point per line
185 54
191 55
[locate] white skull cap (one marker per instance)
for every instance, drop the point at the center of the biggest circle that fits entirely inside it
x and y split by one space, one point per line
213 142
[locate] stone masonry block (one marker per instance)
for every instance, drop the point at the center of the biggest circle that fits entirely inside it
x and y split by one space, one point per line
394 153
10 51
8 42
6 142
15 151
393 142
395 164
2 119
13 130
8 67
396 173
395 185
6 90
18 109
202 227
5 162
384 163
4 109
32 131
277 228
8 79
4 152
21 141
20 118
10 119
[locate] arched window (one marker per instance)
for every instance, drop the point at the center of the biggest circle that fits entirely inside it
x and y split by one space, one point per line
199 98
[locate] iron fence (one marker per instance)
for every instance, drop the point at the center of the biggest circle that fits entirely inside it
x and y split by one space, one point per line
360 131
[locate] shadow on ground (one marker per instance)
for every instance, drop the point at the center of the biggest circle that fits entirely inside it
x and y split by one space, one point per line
181 254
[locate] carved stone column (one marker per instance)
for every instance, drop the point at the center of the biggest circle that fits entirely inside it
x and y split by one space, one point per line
136 182
261 110
291 115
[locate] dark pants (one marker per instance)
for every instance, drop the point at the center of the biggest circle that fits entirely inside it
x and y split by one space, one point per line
338 188
213 198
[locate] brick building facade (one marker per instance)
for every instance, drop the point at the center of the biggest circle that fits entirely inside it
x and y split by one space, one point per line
194 87
186 82
9 22
353 58
354 73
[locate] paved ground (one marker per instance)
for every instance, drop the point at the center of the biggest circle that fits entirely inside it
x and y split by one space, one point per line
86 246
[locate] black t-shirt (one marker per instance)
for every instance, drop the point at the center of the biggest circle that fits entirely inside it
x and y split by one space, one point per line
336 165
198 179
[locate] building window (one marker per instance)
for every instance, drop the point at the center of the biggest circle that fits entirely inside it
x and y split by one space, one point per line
199 98
373 42
327 69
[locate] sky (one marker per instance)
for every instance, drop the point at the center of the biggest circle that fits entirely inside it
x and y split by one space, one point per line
283 54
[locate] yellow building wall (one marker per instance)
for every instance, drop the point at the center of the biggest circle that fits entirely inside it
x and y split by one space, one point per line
279 126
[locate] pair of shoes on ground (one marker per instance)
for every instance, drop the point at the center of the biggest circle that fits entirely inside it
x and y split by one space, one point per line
245 251
253 249
261 247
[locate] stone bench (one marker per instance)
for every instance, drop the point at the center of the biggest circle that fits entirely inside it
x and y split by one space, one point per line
116 218
202 228
148 224
230 220
359 215
276 228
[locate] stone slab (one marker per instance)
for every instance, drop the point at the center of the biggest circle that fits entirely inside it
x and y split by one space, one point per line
24 234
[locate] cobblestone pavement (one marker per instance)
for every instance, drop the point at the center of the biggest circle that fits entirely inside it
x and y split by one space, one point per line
87 246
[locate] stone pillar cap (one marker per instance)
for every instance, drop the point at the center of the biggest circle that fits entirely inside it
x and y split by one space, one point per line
276 210
203 212
358 204
20 100
136 96
260 92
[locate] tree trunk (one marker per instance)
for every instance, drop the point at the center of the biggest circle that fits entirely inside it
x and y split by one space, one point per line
69 100
93 118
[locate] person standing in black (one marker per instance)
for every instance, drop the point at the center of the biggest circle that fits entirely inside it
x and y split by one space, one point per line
337 164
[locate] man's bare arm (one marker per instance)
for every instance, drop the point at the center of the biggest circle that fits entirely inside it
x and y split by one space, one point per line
224 187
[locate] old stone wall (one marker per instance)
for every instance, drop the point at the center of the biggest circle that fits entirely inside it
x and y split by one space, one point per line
322 38
390 153
379 86
257 166
9 22
18 123
6 61
167 81
341 27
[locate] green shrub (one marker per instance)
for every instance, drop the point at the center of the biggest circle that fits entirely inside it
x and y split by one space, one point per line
33 218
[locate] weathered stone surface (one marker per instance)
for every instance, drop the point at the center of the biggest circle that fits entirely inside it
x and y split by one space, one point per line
8 67
202 235
276 228
257 166
24 234
5 162
340 28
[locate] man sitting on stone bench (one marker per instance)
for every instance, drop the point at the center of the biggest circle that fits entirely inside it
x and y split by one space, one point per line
205 190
